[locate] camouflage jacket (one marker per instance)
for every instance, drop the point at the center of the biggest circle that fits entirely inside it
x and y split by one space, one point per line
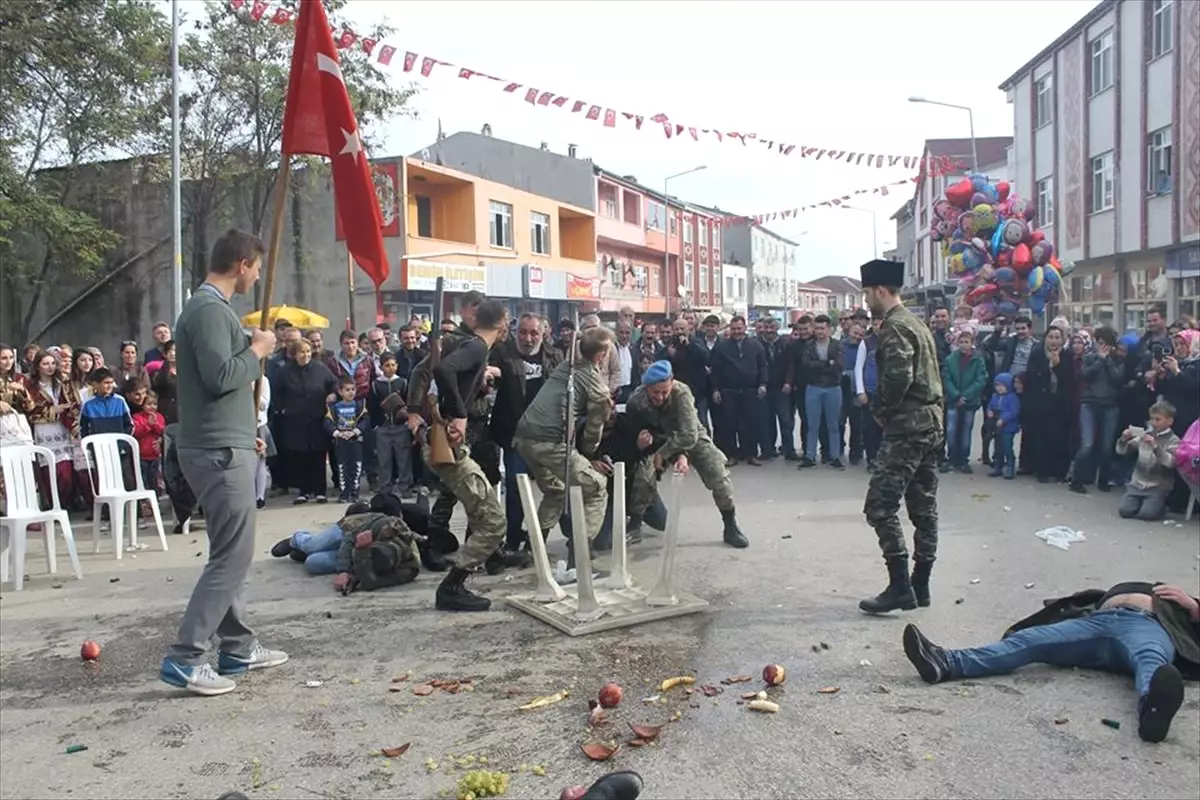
545 420
373 521
909 398
676 420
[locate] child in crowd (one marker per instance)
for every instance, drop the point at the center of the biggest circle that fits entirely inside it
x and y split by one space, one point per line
1154 472
346 421
136 390
964 376
1004 412
262 476
148 427
107 411
393 439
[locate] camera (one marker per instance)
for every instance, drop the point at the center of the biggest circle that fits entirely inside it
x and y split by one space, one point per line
1157 351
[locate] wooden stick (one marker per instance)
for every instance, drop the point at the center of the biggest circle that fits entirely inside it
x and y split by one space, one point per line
281 187
350 287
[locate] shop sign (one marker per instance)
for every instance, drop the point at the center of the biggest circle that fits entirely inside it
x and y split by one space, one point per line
423 275
582 288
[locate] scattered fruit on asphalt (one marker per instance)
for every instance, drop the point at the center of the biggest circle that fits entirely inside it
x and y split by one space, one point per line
774 674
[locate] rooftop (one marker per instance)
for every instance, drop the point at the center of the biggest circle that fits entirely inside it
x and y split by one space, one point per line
1100 10
838 284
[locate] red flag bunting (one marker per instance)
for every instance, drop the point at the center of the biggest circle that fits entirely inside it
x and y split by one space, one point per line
281 16
410 61
258 10
236 5
560 101
610 118
593 112
427 65
465 73
369 45
531 96
385 54
319 121
544 98
512 87
579 104
347 39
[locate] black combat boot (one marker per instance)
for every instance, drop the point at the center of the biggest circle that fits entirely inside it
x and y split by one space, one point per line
453 595
502 559
930 660
897 595
615 786
920 581
733 535
432 558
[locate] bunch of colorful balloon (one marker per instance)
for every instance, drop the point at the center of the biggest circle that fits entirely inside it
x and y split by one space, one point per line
1001 260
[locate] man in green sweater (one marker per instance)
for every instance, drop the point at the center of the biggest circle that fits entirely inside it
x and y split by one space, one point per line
217 365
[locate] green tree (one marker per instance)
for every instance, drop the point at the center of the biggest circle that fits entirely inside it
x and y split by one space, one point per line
82 80
235 74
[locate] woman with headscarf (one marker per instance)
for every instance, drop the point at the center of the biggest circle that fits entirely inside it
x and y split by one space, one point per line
1178 383
1081 345
54 418
298 400
1049 381
1098 388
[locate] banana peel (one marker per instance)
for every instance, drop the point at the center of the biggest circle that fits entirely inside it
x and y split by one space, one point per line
548 700
679 680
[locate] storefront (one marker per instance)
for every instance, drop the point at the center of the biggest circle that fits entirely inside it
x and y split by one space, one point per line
1090 299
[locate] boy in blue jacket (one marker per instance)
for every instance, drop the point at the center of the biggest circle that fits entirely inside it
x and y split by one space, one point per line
347 422
1004 410
107 412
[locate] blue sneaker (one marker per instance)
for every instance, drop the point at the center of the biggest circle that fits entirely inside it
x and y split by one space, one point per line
259 658
200 679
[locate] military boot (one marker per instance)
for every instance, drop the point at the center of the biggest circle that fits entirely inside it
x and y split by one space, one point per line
920 581
503 558
432 558
897 595
733 535
453 595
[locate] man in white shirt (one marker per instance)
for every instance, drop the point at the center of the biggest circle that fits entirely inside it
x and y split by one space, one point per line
625 354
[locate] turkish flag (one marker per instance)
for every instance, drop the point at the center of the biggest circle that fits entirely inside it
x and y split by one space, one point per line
319 121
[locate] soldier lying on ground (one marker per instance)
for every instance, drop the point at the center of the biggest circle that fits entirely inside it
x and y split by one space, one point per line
1149 630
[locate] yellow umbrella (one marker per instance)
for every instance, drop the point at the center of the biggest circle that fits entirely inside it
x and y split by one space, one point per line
300 317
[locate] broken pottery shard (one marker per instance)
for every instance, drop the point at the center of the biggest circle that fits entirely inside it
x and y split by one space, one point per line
424 690
647 733
395 752
599 751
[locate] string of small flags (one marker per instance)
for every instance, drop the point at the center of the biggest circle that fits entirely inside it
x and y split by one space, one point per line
425 66
759 219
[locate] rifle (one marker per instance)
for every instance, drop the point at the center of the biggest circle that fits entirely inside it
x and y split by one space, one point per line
570 420
440 452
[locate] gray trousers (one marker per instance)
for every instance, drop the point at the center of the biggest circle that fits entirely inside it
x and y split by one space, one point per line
393 453
223 481
1143 505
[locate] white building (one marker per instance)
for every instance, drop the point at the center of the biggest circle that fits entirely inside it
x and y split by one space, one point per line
926 268
1107 131
771 262
733 279
844 292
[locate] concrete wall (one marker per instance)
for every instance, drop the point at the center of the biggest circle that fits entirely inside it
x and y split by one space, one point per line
540 172
310 272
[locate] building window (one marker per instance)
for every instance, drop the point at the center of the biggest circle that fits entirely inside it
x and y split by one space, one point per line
656 216
1102 62
703 280
616 273
424 217
501 224
1043 89
633 207
923 218
704 233
716 237
1045 202
741 288
687 230
1158 166
655 281
1163 27
729 287
608 201
687 277
1102 182
674 221
539 233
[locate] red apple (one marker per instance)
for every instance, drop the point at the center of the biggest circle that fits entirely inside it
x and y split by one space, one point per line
610 695
774 674
573 793
89 651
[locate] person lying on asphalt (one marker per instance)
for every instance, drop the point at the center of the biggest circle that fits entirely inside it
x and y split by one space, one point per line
1149 630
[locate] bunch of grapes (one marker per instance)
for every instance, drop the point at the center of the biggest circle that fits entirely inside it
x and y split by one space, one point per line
480 783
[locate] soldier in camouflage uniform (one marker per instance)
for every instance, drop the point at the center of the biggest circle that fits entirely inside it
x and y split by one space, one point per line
664 412
541 436
377 550
908 405
460 381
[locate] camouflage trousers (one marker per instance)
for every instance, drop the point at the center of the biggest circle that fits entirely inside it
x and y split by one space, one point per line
907 469
467 483
706 461
546 462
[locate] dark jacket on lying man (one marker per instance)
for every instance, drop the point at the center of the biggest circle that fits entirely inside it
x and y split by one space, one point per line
377 550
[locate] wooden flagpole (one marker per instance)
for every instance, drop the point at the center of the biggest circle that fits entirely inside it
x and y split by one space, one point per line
350 287
281 191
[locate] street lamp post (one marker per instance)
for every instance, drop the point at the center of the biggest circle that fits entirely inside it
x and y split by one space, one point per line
667 222
874 228
970 119
176 178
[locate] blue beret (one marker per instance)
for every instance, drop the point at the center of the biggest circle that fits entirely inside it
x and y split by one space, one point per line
1130 340
657 372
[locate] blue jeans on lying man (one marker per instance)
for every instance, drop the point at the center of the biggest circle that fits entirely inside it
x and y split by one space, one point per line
320 547
1114 640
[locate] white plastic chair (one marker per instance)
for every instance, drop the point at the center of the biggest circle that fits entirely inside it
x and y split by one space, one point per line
103 453
20 491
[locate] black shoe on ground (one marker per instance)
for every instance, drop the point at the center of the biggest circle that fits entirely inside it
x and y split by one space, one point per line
502 559
1077 488
178 529
790 457
1104 487
929 659
965 469
806 462
733 534
260 503
897 595
920 582
1158 707
432 560
453 595
615 786
282 548
855 460
836 464
321 499
944 467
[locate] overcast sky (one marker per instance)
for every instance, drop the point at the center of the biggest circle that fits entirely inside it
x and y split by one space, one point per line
826 74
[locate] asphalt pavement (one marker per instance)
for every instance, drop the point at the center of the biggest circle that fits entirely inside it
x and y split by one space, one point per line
789 599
